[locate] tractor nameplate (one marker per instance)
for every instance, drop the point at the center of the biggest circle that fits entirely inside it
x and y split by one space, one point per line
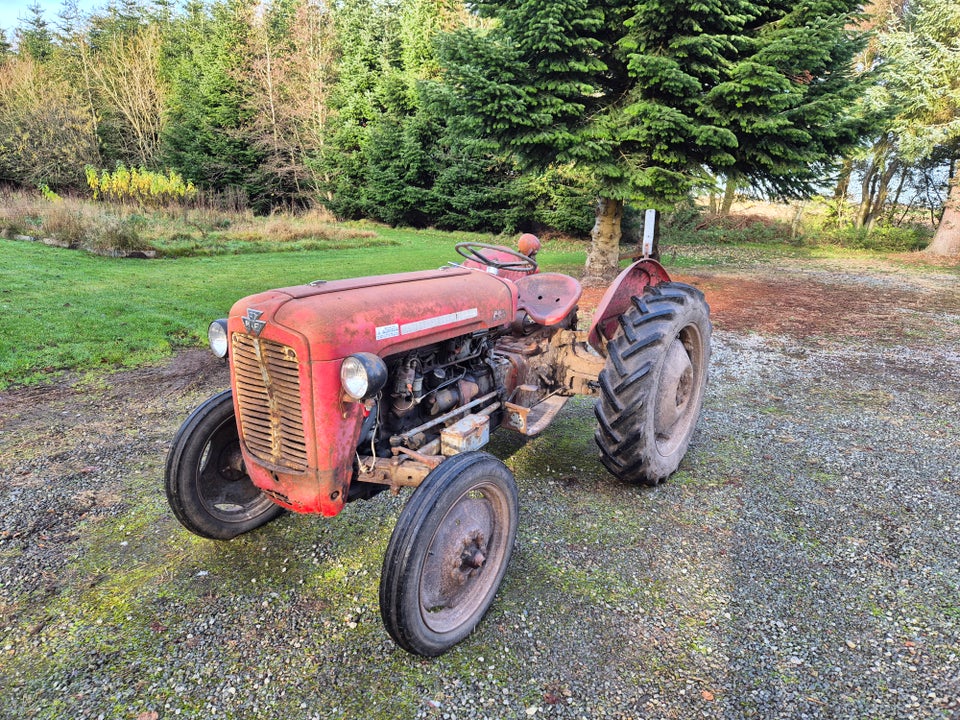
388 331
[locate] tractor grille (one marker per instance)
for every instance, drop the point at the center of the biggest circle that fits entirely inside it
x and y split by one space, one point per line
268 395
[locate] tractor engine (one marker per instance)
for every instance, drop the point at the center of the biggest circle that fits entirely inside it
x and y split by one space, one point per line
429 382
489 369
426 339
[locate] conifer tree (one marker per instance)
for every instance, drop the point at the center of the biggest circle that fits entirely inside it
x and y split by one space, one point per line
923 55
203 137
651 97
6 49
392 155
35 38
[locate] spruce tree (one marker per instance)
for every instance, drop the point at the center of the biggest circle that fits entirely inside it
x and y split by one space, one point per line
789 96
6 49
203 137
35 38
392 156
650 97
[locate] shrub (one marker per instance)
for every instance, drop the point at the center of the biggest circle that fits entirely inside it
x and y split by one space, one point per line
140 186
882 238
49 194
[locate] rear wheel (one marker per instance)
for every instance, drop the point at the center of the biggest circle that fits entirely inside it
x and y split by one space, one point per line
448 553
652 387
207 485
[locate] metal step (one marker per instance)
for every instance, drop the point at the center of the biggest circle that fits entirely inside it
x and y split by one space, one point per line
531 421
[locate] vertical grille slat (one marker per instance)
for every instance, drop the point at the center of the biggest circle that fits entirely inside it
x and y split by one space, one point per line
268 395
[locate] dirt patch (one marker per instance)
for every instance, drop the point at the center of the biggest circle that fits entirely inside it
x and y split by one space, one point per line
802 307
183 371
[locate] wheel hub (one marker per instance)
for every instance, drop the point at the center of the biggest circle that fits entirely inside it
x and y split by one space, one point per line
453 575
471 558
675 388
231 463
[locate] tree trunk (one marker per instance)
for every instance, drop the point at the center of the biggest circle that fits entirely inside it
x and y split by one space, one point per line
895 203
843 181
603 258
947 239
883 189
729 193
867 189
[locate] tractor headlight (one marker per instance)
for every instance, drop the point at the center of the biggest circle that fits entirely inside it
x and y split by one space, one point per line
219 338
363 375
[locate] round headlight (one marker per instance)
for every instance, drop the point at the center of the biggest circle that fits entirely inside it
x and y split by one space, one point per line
363 375
219 338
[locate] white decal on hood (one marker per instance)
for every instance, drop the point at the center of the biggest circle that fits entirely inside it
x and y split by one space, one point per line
438 321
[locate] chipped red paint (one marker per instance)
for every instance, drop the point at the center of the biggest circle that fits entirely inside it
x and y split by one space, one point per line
617 298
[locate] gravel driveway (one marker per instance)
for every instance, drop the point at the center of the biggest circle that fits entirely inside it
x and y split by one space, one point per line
803 563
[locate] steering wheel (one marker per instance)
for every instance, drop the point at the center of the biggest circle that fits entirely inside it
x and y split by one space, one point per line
474 251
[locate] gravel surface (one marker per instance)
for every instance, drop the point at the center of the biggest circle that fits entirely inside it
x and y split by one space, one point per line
803 563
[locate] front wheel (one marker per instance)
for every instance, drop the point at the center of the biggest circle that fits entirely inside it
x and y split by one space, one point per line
448 553
652 387
207 486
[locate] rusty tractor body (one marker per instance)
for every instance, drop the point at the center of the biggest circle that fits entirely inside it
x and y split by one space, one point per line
343 388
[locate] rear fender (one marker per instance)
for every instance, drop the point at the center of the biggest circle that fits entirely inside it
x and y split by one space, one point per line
616 300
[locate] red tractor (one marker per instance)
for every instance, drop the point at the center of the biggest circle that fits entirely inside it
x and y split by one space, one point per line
341 389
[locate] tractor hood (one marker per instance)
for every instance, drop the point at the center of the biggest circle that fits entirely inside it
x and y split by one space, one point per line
384 314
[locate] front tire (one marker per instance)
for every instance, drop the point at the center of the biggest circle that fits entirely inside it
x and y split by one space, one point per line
207 486
652 387
448 553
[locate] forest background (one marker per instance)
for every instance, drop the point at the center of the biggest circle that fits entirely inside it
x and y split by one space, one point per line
410 113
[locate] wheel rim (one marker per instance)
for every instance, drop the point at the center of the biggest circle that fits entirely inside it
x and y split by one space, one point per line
462 560
678 390
223 486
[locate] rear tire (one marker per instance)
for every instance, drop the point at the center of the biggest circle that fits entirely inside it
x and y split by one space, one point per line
652 387
448 553
207 486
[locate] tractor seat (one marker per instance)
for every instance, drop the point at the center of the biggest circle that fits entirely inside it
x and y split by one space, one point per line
548 297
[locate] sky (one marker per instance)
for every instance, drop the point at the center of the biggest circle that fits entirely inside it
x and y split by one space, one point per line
12 10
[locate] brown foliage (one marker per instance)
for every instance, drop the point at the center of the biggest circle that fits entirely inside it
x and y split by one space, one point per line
46 132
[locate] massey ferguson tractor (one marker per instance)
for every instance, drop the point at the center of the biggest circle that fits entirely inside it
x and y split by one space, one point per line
341 389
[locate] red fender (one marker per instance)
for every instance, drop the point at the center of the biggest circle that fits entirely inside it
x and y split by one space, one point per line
616 299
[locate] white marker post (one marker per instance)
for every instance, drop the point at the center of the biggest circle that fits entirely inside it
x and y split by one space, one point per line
649 232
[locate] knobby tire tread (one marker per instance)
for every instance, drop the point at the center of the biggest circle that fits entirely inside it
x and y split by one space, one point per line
627 383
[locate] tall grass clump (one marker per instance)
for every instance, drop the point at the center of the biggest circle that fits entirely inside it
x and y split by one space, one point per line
19 215
67 223
71 222
115 234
